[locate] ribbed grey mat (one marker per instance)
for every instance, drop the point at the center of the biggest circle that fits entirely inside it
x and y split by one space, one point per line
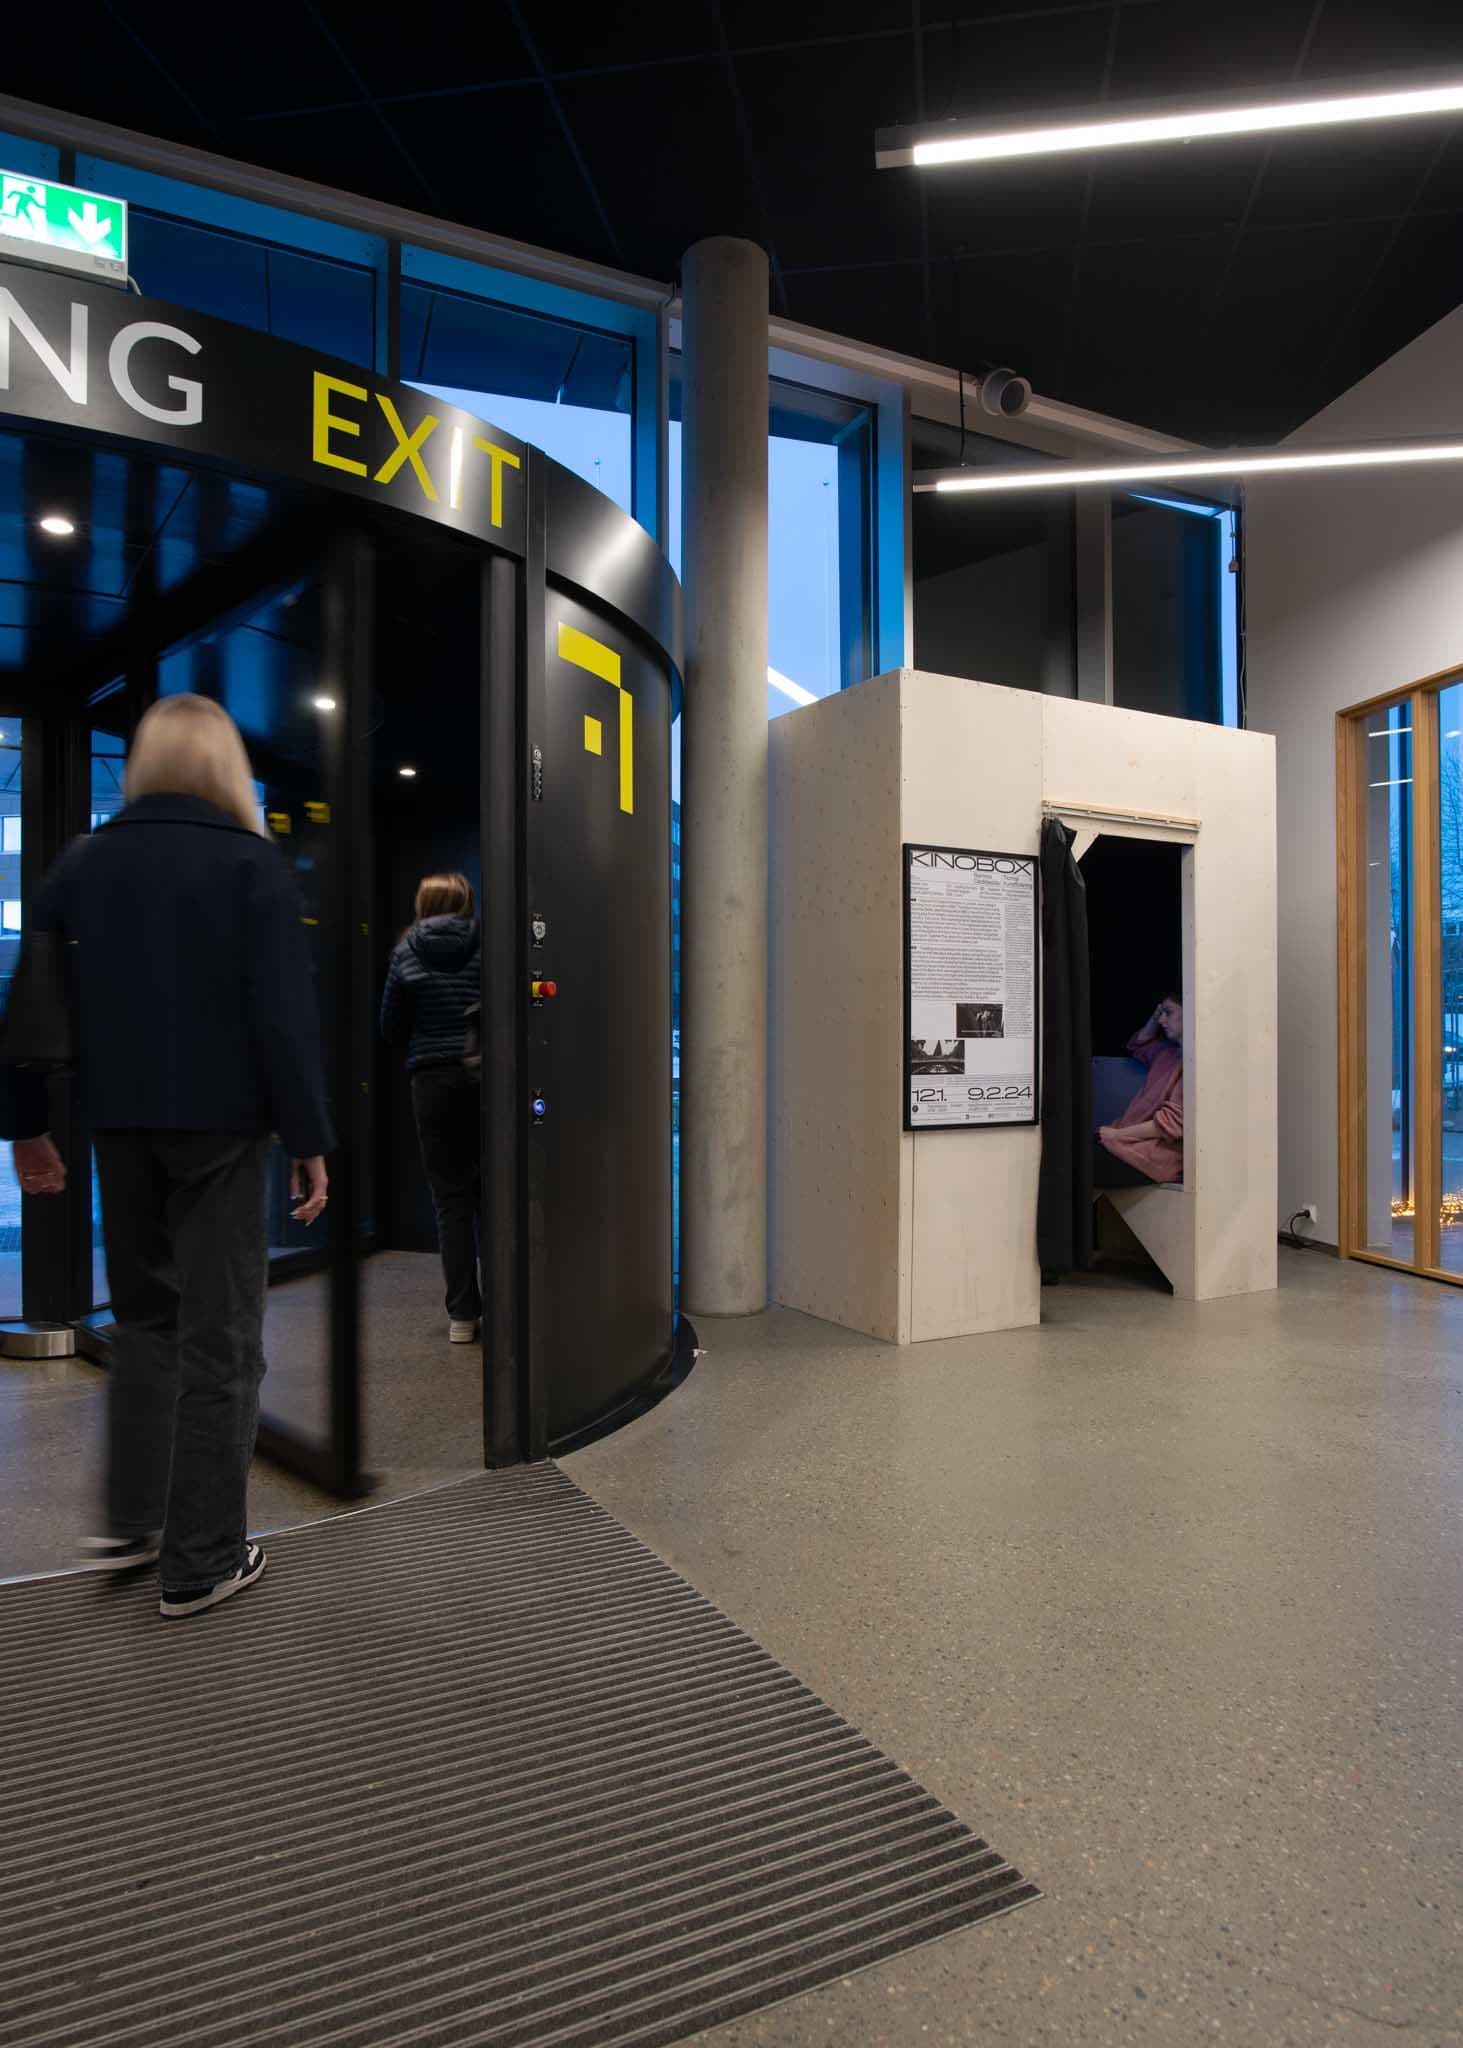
473 1767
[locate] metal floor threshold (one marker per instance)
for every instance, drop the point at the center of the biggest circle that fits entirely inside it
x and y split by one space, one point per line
474 1767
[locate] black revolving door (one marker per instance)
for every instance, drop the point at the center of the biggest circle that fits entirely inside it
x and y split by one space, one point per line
443 650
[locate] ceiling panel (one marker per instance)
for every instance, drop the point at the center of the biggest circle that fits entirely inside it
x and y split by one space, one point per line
705 187
348 148
501 162
1008 64
283 61
430 46
829 203
1205 276
105 73
1308 179
583 38
1359 36
1175 48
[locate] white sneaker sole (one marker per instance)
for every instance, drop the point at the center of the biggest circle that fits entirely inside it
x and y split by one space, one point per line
103 1559
179 1610
463 1333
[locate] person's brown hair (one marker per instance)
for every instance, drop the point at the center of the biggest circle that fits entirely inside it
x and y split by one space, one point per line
189 746
447 895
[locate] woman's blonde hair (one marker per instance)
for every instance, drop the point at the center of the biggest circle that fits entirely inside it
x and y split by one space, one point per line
189 746
444 896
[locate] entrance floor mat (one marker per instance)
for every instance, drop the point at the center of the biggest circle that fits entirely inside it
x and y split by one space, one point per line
471 1767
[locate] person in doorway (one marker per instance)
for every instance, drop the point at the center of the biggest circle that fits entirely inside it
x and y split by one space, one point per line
1146 1143
196 1041
433 984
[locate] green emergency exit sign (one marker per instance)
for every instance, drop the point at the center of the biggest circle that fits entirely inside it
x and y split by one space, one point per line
62 227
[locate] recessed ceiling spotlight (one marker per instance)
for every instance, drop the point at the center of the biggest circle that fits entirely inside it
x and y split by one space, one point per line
406 771
323 703
58 524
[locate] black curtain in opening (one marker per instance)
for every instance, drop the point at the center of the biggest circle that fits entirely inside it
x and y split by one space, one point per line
1064 1191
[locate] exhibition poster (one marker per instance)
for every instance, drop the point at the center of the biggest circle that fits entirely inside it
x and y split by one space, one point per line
970 988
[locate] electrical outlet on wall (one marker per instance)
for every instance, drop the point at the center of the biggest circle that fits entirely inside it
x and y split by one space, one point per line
1312 1212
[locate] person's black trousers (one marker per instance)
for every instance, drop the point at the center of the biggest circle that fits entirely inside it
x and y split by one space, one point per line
188 1262
448 1107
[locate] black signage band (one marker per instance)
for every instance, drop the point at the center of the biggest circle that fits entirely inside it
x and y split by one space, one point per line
83 355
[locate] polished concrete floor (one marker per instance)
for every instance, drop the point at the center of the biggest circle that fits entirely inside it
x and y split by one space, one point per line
422 1406
1164 1598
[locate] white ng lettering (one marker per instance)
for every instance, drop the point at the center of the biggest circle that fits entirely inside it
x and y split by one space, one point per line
71 376
119 364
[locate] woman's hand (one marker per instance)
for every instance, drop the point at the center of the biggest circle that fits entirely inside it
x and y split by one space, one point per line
309 1185
39 1167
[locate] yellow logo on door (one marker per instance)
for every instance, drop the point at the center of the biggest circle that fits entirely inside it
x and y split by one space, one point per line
599 660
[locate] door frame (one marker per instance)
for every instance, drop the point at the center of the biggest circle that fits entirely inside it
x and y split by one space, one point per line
1422 699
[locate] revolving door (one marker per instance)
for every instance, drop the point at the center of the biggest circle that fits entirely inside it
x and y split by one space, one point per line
421 682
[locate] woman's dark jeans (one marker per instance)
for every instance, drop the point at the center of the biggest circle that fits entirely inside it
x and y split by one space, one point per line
183 1221
448 1105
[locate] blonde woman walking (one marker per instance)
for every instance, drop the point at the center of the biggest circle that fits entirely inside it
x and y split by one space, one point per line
197 1041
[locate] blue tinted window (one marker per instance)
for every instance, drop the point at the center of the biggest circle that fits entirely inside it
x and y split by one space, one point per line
31 159
313 300
564 388
818 544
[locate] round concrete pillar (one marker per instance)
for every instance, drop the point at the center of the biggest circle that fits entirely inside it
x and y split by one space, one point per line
724 780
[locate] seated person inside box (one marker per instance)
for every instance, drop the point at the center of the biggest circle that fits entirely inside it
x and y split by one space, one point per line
1146 1143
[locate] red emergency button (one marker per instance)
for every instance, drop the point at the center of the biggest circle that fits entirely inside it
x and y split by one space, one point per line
544 990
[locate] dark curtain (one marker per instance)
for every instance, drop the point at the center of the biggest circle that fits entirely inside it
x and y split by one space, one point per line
1064 1192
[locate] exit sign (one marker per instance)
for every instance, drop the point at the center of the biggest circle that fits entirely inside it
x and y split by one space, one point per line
62 227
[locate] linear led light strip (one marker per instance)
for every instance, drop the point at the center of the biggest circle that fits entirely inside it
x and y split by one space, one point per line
1193 125
1238 462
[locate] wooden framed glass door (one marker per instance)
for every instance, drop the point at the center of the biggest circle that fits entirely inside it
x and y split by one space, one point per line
1400 978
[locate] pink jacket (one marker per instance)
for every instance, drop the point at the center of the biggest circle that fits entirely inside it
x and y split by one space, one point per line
1161 1101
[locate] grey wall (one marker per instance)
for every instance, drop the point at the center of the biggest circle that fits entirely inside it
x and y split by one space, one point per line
986 620
1354 588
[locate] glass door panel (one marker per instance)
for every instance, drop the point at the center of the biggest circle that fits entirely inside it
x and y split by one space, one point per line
11 916
1450 901
108 770
265 667
1389 1146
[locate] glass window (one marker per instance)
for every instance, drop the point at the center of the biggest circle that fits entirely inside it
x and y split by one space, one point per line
10 930
994 577
1387 1208
1450 899
30 159
310 299
1175 635
566 389
819 542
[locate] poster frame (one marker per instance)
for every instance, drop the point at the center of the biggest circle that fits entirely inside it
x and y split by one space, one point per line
1024 1123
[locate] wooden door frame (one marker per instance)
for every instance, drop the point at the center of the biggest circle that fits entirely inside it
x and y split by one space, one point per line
1421 698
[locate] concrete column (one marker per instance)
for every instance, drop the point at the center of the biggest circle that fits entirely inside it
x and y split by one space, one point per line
724 780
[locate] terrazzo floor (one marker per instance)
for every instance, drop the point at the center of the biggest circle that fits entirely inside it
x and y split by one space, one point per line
1166 1597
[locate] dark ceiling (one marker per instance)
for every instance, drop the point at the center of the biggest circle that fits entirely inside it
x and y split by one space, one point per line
1223 291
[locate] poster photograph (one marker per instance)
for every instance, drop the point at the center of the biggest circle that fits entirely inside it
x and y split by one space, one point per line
971 997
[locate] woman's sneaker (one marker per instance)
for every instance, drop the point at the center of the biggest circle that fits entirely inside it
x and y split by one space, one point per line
461 1333
120 1553
175 1605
